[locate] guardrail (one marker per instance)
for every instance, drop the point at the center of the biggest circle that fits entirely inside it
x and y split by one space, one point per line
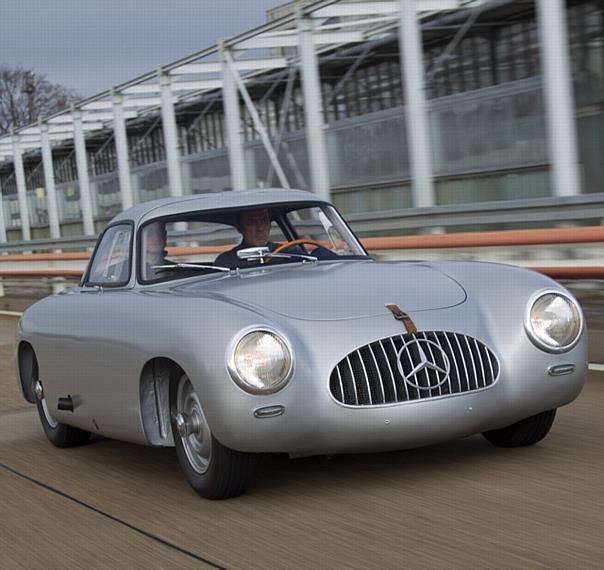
570 209
507 238
537 210
72 265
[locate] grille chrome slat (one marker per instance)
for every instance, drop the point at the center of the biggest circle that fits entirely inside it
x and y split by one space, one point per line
379 374
437 340
463 361
427 371
433 360
408 351
354 382
358 352
404 383
492 368
340 384
455 363
391 371
481 363
473 363
445 364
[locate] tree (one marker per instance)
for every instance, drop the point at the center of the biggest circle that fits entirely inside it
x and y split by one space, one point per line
25 96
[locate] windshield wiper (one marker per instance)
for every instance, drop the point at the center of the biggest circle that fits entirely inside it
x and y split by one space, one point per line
160 268
263 257
301 256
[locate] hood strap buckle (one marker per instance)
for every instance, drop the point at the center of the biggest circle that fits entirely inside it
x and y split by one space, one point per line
402 316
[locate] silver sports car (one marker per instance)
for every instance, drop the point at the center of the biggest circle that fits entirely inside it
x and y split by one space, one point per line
266 327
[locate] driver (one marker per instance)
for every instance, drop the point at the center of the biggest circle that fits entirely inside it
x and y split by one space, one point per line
254 227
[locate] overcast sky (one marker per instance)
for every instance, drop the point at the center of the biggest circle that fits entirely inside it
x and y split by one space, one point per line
92 45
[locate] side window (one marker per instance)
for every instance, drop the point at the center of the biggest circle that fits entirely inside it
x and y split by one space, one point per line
111 263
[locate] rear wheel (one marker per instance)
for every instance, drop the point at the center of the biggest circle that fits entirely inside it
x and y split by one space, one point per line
58 434
525 432
212 469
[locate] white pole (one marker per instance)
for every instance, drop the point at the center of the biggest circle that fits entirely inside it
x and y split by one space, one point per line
49 179
21 188
82 168
313 109
559 102
121 149
3 238
266 141
418 133
168 118
232 115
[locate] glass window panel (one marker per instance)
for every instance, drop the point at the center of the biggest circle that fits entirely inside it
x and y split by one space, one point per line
111 263
369 152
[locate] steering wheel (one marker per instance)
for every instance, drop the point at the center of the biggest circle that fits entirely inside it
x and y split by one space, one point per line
294 242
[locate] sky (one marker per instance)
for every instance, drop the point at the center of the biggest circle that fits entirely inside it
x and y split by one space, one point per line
92 45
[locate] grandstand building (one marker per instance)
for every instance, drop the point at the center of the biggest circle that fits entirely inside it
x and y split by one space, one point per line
486 104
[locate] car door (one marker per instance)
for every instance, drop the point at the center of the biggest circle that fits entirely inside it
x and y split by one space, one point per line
84 354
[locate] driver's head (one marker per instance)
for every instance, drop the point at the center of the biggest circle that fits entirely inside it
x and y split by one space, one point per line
255 227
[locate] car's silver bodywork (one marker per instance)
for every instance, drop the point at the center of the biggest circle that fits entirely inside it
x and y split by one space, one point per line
97 345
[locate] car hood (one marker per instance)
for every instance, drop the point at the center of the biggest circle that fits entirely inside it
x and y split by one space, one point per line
335 291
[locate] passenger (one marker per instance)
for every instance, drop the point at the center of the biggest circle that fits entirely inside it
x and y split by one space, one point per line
154 242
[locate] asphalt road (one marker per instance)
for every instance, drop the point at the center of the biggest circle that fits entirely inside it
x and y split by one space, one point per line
459 504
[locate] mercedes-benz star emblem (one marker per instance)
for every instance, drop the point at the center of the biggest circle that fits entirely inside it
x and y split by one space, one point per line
426 356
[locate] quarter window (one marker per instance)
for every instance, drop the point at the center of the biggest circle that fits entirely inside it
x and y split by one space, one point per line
111 263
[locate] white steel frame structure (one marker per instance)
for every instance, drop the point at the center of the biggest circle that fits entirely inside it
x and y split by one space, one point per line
226 68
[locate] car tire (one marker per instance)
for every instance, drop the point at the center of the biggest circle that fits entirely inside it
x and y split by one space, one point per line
212 469
60 435
525 432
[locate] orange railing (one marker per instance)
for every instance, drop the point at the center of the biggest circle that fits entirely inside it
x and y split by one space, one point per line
515 238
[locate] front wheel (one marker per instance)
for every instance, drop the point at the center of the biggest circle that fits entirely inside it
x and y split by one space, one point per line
212 469
525 432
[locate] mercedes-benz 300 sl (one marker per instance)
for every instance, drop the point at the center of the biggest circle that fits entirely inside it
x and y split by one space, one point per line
264 326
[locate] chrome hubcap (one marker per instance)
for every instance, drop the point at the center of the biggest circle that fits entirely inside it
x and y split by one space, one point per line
38 391
192 427
181 425
189 425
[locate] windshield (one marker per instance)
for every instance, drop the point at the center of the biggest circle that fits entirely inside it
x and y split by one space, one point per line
216 241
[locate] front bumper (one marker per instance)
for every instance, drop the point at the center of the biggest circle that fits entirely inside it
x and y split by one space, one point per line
313 423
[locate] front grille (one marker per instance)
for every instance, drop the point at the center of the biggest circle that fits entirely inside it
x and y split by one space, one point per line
412 367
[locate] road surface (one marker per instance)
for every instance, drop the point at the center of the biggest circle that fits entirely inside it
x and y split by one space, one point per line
459 504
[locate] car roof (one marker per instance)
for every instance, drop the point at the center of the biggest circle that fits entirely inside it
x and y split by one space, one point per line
214 201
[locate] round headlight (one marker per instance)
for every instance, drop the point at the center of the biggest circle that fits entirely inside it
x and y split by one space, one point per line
261 362
554 321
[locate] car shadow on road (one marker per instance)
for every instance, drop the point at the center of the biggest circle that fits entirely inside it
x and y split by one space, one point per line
277 473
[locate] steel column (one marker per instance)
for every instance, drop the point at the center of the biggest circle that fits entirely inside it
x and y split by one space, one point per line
418 133
313 109
82 168
121 149
21 188
558 93
168 119
264 136
49 180
3 238
232 117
